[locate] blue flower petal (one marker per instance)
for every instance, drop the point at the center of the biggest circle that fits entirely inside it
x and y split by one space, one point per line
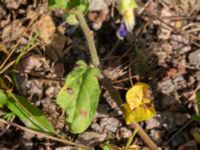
122 31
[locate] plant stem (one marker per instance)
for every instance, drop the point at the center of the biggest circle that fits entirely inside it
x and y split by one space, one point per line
90 39
107 83
144 136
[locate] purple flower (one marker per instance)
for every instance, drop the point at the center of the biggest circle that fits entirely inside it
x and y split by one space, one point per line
122 31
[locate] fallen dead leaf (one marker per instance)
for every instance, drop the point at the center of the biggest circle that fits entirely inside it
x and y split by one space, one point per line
13 31
46 28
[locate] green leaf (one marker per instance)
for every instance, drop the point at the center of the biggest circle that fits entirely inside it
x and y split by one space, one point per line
62 3
83 7
71 19
79 5
68 95
196 117
87 101
30 115
80 96
107 147
54 4
3 99
8 116
73 4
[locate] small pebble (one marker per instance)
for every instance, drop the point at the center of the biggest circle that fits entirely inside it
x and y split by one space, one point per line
166 86
91 138
157 136
96 5
152 123
179 82
96 127
124 133
111 124
50 92
194 58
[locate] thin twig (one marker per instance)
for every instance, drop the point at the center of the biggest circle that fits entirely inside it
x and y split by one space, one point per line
7 66
126 79
42 134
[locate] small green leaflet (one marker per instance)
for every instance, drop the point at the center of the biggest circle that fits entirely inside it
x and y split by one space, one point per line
80 96
71 19
3 99
196 117
107 147
30 115
55 4
70 8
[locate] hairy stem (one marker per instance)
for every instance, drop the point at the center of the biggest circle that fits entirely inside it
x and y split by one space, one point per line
89 37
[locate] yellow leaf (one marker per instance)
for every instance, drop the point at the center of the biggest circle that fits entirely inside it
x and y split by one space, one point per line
136 94
138 106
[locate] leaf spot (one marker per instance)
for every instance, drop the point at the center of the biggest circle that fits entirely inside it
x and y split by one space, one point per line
69 90
83 113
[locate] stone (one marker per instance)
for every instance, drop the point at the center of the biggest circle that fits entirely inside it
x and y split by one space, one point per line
96 5
111 124
166 86
157 136
179 82
13 31
124 133
194 58
96 127
152 123
90 138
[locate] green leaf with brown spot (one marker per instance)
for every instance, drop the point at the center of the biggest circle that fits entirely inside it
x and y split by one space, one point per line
80 96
